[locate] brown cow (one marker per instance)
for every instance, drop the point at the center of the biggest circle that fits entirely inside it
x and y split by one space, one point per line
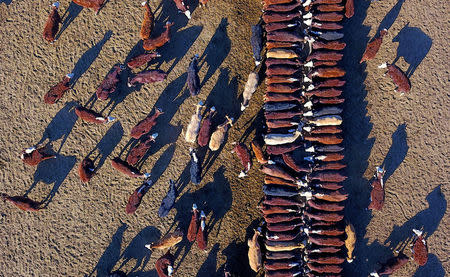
154 43
34 155
52 25
96 5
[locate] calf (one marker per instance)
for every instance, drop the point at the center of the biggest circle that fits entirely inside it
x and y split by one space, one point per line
168 200
254 251
34 155
57 92
164 265
256 41
193 81
23 203
249 89
201 233
147 23
398 77
391 265
145 125
194 125
195 169
142 59
154 43
109 84
52 25
373 47
350 241
92 116
218 136
136 197
419 249
349 8
261 157
205 129
146 77
91 4
193 225
125 168
244 156
86 170
377 193
138 151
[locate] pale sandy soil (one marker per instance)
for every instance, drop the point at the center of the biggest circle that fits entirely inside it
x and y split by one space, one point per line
85 231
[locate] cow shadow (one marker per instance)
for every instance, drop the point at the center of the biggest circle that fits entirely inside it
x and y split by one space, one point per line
168 11
218 198
171 98
85 61
111 254
433 268
228 105
61 125
103 6
169 101
68 17
357 143
370 261
390 17
52 171
216 51
181 42
397 152
413 46
106 145
210 264
137 49
214 198
402 236
225 104
254 124
136 250
236 254
141 273
184 179
161 164
427 220
237 261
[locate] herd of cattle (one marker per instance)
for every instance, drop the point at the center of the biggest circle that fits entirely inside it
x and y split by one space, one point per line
304 231
207 135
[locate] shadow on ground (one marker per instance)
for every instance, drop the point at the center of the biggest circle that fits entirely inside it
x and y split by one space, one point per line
52 172
214 198
397 152
111 254
413 46
357 143
68 17
106 145
60 126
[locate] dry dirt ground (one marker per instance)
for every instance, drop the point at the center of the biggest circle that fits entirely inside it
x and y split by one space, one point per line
84 231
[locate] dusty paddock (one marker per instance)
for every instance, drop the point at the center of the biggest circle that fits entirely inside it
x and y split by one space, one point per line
85 231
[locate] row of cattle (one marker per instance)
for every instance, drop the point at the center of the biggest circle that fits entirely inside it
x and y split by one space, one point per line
304 231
